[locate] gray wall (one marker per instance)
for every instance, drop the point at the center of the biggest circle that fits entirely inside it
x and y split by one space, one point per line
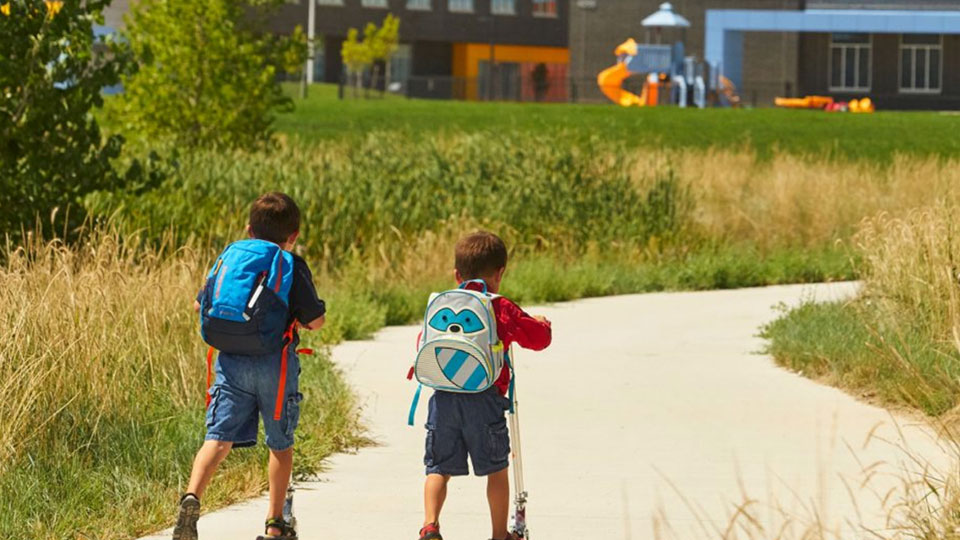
438 24
113 15
770 59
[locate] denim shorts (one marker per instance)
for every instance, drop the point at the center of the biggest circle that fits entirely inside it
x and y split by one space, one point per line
459 425
245 390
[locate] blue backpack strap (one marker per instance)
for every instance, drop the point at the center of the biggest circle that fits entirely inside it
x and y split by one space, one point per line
280 275
480 281
413 406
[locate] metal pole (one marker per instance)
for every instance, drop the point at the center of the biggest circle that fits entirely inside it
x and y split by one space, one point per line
311 34
493 58
582 75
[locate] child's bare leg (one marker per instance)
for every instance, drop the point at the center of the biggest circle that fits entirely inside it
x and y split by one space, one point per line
281 465
209 457
498 495
434 494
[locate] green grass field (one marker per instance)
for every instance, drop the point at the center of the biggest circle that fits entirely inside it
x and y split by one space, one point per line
869 136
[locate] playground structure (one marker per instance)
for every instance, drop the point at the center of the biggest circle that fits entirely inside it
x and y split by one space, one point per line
670 77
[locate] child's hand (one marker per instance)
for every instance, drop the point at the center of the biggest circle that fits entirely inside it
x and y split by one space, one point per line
544 320
196 306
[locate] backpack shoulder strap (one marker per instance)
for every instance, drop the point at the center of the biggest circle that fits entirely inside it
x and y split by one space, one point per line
280 276
469 281
413 406
507 357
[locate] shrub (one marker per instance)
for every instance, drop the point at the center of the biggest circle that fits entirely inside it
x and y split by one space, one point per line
369 198
51 72
208 73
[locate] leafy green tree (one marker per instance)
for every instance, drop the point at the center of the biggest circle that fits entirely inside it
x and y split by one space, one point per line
356 56
378 45
209 72
52 70
383 43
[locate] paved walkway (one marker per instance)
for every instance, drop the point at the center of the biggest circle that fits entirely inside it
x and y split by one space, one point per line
651 416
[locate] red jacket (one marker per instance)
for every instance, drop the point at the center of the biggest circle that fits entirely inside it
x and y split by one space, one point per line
515 326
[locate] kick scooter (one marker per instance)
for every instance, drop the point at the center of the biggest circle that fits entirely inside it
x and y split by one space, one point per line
519 528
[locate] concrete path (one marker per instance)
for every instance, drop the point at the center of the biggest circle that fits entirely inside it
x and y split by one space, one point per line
651 416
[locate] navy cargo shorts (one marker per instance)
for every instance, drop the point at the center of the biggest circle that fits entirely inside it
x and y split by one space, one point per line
459 425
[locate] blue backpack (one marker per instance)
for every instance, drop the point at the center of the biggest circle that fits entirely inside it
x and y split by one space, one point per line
244 305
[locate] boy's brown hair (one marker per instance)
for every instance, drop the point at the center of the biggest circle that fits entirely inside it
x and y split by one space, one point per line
274 217
480 255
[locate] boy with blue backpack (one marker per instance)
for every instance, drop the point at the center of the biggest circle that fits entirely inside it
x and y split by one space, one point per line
255 297
463 353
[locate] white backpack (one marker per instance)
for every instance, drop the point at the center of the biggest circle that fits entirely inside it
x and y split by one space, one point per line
459 350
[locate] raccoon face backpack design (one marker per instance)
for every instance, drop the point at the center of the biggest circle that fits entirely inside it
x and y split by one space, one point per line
459 350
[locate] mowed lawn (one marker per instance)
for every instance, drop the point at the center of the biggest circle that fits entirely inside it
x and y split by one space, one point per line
877 136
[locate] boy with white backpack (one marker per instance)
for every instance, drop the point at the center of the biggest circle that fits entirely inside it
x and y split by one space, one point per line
462 354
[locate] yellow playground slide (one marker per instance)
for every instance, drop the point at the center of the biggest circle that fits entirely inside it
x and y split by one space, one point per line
610 81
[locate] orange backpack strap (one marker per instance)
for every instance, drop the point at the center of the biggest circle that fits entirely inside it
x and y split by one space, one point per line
281 386
210 352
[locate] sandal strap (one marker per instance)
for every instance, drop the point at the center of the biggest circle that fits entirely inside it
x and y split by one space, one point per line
278 523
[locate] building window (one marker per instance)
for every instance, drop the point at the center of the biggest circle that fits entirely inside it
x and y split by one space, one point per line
373 3
329 2
319 60
503 7
544 8
400 64
921 63
463 6
850 62
422 5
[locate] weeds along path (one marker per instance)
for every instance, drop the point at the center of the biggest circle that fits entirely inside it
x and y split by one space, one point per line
651 416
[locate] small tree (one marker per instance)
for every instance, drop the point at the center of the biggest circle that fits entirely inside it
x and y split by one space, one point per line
384 44
51 148
208 75
356 57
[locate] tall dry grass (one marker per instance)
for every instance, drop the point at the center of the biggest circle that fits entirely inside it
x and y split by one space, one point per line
689 218
791 200
102 378
911 268
94 328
